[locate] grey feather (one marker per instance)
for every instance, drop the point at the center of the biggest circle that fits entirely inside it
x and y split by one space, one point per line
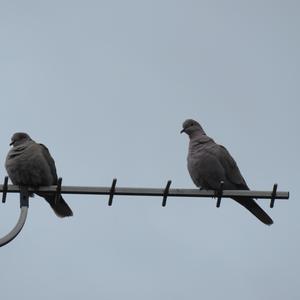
210 163
30 164
50 162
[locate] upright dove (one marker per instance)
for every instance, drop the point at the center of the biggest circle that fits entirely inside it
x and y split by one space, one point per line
30 164
209 163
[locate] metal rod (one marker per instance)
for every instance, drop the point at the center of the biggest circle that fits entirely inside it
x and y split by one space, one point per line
58 190
5 184
112 192
127 191
220 194
166 193
273 197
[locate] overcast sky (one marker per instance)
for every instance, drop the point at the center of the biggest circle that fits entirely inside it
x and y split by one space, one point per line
106 86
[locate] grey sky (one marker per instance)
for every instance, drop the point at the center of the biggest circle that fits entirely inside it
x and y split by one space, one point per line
106 86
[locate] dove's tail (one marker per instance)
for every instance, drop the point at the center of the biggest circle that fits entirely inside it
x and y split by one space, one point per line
61 208
255 209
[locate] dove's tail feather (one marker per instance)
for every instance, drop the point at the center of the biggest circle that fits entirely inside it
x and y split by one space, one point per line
255 209
61 208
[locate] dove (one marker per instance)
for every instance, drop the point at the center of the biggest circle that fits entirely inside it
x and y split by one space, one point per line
30 164
209 163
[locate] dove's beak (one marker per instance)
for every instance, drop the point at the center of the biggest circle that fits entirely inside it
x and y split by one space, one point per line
11 143
182 131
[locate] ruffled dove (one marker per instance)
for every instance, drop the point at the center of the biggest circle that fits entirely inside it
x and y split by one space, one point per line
209 164
30 164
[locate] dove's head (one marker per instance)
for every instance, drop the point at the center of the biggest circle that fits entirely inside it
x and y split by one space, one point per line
191 126
19 138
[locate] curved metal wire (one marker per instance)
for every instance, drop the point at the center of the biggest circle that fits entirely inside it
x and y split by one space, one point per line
24 203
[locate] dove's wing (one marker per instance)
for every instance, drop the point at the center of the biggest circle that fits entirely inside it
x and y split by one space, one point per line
50 161
212 164
234 176
231 169
61 208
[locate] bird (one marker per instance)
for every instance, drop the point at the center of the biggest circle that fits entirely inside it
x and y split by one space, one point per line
30 164
209 163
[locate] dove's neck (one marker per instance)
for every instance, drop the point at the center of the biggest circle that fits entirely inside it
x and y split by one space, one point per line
197 134
197 143
199 140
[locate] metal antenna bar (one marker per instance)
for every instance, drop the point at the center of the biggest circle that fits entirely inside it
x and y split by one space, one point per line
127 191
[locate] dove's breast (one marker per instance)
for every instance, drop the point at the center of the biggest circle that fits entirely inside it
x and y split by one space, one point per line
27 166
197 164
204 168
